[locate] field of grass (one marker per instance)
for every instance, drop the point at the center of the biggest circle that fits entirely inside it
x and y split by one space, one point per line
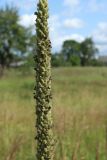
79 113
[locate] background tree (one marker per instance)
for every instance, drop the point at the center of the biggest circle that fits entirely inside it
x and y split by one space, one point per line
69 48
75 60
58 60
14 37
43 84
76 53
88 51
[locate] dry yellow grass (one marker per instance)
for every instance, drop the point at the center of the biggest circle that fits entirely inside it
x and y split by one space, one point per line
79 113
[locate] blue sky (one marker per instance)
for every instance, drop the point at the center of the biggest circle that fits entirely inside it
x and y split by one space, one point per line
69 19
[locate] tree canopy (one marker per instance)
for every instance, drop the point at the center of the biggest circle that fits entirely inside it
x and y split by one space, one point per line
88 51
79 53
70 48
14 38
17 40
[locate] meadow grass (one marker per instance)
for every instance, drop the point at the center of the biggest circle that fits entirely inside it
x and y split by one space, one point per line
79 114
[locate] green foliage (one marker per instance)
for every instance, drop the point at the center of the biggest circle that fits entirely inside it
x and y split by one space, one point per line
32 44
58 60
43 84
69 48
88 51
95 62
75 53
13 36
75 60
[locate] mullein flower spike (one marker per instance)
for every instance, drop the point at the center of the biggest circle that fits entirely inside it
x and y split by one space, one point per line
43 95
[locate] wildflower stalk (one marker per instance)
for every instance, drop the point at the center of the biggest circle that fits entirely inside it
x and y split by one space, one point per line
43 84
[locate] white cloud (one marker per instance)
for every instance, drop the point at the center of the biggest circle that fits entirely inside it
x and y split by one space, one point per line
55 30
71 3
73 23
102 48
23 4
27 20
103 26
100 36
75 36
94 5
72 7
59 39
58 34
54 23
100 33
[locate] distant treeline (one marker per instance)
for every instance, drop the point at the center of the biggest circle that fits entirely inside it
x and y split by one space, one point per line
74 53
18 45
